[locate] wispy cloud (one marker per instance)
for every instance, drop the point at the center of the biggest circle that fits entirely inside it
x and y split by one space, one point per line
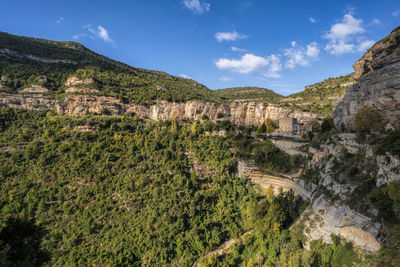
99 32
103 34
197 6
229 36
396 13
78 36
274 67
300 56
312 50
59 20
365 45
312 20
185 76
237 49
225 79
375 22
346 36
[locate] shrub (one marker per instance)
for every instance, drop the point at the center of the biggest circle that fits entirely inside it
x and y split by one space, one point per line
369 120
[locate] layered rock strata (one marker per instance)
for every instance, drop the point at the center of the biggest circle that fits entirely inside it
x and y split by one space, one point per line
378 86
239 113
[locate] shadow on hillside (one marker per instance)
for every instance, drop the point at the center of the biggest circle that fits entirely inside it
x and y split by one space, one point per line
20 244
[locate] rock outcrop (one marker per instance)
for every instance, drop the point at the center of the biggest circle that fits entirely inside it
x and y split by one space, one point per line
255 113
388 169
378 86
239 113
383 53
324 219
26 101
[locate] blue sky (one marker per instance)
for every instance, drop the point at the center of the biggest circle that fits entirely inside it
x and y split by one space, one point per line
281 45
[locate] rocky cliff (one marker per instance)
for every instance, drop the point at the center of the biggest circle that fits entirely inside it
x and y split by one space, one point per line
239 113
378 86
323 217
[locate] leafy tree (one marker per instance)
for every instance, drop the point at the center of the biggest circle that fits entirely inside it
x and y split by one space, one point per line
369 120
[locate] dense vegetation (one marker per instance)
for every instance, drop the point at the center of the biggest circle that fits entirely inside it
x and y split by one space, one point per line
249 93
112 78
118 190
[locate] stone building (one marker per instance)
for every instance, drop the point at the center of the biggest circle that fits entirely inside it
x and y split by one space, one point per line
288 125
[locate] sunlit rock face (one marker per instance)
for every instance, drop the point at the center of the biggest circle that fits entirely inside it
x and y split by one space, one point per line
239 113
378 86
255 113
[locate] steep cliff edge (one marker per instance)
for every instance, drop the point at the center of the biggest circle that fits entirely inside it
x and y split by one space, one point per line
378 86
239 113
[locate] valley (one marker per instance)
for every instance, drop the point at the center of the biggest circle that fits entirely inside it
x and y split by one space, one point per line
106 164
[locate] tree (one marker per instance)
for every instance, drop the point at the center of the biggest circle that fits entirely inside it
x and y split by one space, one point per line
261 129
369 120
327 124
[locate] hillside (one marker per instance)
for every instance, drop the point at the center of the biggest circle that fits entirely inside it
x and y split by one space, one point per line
31 62
24 60
319 97
249 94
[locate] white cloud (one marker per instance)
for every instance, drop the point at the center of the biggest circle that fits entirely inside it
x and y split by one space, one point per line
246 64
78 36
295 56
237 49
339 47
103 34
225 79
229 36
312 50
197 6
270 66
59 20
348 26
312 20
396 13
344 37
300 56
376 22
99 32
365 45
274 67
185 76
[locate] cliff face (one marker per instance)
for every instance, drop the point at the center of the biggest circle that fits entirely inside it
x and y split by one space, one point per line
323 217
378 86
239 113
255 113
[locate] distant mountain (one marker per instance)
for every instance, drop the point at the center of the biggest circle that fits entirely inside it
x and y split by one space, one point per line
249 94
24 59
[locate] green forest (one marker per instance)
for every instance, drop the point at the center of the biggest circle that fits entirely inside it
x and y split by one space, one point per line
122 191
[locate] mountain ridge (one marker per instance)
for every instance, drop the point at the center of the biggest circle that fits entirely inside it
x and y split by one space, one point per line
61 59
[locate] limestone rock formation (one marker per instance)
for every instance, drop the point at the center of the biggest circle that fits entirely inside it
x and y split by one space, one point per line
26 101
324 219
378 86
239 113
383 53
255 113
388 169
35 88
